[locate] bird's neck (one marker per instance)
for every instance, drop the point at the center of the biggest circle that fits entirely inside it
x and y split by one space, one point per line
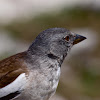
38 53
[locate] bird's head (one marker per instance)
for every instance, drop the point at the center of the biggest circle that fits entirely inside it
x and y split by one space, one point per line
55 42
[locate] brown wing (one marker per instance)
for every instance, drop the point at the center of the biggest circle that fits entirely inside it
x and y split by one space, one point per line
11 68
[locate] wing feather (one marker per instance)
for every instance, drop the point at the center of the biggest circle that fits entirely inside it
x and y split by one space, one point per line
11 68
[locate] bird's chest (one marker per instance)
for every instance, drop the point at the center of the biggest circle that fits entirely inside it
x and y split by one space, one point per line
51 76
45 81
54 79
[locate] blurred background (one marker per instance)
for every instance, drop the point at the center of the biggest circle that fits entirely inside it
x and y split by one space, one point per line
22 20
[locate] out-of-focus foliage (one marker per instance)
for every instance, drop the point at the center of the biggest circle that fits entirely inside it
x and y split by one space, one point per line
69 18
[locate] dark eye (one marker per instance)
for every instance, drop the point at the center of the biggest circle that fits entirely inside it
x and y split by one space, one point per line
67 38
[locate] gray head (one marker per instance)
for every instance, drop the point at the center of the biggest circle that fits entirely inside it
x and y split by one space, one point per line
54 42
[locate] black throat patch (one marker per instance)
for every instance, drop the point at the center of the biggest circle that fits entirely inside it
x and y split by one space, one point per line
50 55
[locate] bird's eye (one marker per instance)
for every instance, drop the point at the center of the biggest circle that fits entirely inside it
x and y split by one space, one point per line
67 38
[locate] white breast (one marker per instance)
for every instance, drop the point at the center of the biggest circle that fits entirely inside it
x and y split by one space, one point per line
16 85
56 79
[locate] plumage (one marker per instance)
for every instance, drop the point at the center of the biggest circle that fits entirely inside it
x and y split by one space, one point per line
11 68
10 96
34 74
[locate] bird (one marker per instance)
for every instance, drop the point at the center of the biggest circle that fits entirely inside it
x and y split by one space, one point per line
34 74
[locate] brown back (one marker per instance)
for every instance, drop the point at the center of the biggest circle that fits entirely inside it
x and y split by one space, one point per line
11 68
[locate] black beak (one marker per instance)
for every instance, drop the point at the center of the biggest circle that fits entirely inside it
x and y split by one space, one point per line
78 39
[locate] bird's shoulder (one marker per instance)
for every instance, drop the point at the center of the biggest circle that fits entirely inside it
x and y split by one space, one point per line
11 68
